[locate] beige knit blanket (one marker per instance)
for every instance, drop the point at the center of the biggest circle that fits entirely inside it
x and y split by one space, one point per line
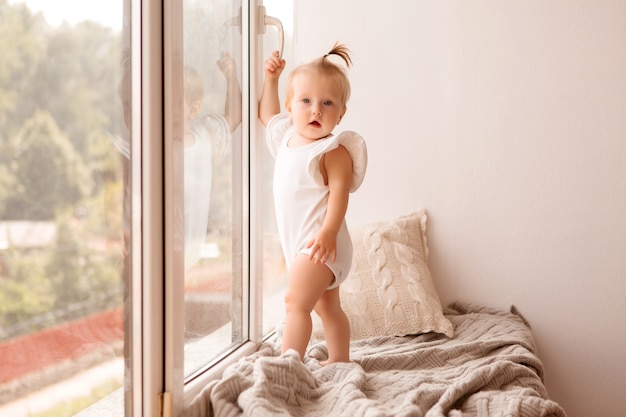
489 368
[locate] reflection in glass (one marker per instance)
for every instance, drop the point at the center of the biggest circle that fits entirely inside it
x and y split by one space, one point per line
61 218
212 135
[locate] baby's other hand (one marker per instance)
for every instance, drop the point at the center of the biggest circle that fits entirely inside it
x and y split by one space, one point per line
323 247
274 65
227 65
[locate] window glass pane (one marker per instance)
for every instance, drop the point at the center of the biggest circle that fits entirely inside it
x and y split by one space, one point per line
212 160
62 136
274 268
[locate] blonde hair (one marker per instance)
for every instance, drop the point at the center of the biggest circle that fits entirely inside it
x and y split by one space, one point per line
324 66
193 86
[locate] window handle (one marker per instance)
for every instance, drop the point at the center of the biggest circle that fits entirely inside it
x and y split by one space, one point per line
234 21
272 21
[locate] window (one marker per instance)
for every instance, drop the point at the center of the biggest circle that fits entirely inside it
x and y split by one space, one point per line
61 218
212 191
137 242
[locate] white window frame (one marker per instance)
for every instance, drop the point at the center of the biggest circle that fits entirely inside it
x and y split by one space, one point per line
158 337
148 214
155 383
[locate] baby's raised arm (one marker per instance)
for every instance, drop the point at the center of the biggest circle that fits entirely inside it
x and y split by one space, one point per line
269 103
232 105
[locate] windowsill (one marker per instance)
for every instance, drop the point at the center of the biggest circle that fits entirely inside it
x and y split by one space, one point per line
81 383
112 404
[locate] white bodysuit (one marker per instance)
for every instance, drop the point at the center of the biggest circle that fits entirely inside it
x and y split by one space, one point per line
300 195
211 139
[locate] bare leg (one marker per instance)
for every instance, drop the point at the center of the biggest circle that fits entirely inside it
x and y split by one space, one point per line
307 282
336 326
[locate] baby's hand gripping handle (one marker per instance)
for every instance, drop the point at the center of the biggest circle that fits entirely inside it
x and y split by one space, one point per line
272 21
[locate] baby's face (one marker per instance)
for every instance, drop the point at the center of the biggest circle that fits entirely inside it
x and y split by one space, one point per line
190 112
316 106
187 114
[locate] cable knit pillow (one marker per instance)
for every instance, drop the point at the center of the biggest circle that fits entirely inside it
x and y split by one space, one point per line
390 291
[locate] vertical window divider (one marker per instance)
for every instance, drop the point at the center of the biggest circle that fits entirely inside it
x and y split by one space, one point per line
173 297
152 208
256 174
134 392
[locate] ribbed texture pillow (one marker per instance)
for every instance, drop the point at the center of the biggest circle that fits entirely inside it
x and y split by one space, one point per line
389 291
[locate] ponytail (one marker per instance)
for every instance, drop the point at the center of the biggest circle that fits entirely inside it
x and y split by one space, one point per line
342 52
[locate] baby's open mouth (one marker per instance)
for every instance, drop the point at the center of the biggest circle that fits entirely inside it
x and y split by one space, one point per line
315 123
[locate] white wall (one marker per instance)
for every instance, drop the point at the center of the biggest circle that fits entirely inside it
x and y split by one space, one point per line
507 122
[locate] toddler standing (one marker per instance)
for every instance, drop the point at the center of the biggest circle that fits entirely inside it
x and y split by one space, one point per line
314 173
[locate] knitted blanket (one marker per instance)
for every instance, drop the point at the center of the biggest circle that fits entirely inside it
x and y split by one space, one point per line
489 368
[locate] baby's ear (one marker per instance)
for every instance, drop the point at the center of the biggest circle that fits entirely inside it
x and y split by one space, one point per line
194 109
342 113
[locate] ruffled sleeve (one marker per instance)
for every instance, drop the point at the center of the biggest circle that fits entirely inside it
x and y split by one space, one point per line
214 128
355 144
275 131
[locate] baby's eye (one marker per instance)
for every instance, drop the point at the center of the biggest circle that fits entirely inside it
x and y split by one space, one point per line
328 103
306 100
